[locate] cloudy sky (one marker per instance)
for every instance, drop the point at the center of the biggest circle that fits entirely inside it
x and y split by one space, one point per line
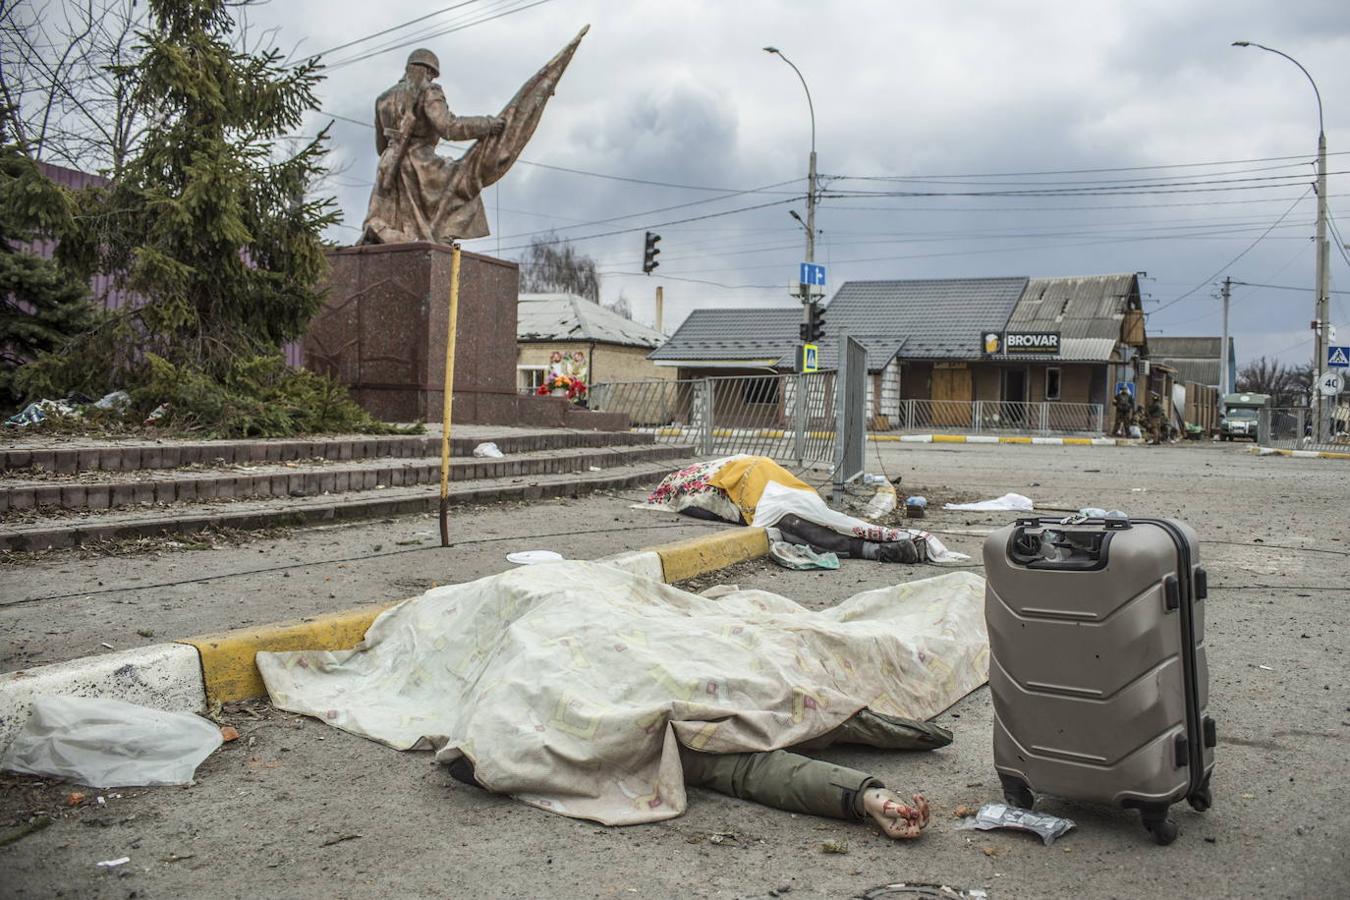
1054 137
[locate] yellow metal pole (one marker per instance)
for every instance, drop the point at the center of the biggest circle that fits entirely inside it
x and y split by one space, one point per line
449 394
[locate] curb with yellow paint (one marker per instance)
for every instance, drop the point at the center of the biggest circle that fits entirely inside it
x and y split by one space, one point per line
194 674
1300 454
997 439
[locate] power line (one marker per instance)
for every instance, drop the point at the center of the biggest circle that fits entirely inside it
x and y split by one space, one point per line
393 28
1282 287
1226 162
935 179
1226 265
428 35
1156 187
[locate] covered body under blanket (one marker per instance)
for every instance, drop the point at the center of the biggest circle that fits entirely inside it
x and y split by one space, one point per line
755 490
572 685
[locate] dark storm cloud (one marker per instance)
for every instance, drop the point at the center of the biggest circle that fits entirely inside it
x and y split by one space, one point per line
684 95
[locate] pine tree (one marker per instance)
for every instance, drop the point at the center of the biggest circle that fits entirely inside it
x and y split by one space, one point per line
210 222
42 303
211 225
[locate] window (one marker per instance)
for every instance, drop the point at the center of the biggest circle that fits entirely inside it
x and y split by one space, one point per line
528 378
760 390
1052 383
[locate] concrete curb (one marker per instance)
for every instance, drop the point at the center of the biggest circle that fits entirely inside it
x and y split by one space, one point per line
193 674
1299 454
997 439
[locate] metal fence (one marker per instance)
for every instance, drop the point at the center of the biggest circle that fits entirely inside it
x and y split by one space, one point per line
991 416
753 414
1292 428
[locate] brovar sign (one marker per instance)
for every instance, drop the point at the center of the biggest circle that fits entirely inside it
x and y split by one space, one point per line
1031 342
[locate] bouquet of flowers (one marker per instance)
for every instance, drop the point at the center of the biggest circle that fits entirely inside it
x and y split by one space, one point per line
575 387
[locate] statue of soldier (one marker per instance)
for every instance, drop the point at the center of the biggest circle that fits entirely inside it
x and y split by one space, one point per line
421 196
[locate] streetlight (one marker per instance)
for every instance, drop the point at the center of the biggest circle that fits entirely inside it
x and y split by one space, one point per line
811 171
1321 310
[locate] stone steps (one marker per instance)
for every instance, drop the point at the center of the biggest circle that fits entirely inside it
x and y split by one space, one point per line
158 487
89 456
40 531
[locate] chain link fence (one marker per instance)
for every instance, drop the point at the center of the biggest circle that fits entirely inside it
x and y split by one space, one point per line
755 414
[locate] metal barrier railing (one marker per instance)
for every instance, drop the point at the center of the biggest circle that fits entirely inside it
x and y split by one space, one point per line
991 416
754 414
1291 428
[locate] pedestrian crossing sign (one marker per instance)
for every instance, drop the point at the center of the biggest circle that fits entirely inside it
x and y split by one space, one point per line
810 358
1338 357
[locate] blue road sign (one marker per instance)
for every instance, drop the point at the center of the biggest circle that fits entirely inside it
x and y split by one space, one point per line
1338 357
1125 386
812 274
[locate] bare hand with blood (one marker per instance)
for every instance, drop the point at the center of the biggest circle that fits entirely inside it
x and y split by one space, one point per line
898 819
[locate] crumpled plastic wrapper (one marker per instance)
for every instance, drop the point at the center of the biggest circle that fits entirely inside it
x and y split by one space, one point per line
1001 815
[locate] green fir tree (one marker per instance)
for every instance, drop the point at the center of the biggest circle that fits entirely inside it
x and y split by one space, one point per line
213 226
42 303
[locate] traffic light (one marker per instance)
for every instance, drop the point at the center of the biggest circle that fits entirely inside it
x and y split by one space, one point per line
649 252
813 329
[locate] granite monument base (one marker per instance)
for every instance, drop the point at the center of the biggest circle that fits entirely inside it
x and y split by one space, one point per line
382 333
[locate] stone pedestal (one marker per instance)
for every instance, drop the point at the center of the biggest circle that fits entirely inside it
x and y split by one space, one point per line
383 327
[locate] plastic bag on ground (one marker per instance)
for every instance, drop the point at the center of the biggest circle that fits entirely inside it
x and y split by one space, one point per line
800 556
1008 502
882 502
110 743
488 450
1001 815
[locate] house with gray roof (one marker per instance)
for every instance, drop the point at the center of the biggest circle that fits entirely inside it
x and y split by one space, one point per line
958 339
570 334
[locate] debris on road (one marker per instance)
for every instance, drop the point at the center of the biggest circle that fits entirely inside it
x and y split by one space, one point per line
229 733
800 556
533 557
110 743
339 839
488 450
113 863
883 501
1001 815
834 847
1006 503
915 507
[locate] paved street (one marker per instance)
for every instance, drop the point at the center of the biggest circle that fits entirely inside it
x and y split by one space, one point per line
346 817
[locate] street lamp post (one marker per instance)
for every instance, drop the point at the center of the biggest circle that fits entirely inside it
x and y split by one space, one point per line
811 169
1321 307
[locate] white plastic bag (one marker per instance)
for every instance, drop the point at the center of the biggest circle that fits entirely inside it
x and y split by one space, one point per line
1008 502
883 501
488 451
110 743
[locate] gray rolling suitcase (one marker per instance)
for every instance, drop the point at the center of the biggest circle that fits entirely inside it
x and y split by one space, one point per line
1098 672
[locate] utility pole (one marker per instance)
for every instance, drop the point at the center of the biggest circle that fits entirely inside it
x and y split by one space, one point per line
1323 321
810 224
1321 307
1224 375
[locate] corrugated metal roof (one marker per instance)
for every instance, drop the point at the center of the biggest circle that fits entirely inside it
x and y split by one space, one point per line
710 335
1195 358
934 318
564 317
1086 310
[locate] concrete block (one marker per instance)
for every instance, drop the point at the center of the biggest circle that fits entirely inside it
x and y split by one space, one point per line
161 676
72 496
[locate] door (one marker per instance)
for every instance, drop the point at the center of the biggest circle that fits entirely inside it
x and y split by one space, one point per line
952 394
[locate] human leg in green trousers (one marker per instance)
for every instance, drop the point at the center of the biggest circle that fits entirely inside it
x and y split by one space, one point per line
787 780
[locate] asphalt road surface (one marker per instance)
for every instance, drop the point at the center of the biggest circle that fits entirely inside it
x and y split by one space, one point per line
295 808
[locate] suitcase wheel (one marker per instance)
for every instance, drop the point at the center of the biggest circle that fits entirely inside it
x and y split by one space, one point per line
1016 792
1160 825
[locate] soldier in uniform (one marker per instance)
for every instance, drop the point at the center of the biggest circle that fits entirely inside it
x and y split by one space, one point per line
1124 403
1155 419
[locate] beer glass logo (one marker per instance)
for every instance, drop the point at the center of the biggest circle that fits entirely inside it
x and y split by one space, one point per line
991 341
